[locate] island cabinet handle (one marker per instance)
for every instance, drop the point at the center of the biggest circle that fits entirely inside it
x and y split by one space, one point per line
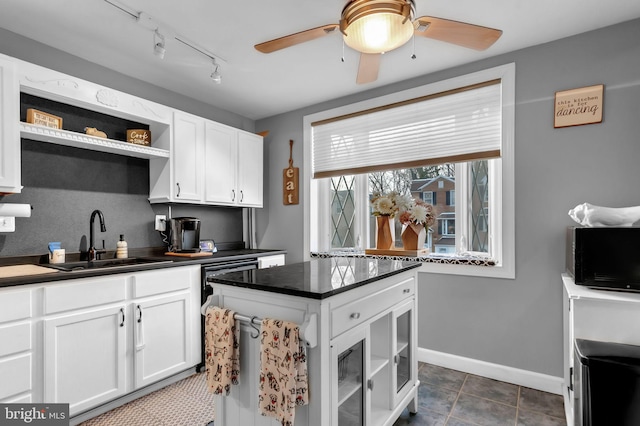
122 312
406 290
355 315
370 384
140 314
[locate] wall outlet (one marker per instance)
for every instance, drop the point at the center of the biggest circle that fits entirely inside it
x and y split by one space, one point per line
161 222
7 224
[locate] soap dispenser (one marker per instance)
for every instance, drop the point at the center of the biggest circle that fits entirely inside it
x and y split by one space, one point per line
122 252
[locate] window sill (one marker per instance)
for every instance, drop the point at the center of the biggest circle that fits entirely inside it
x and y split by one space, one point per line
438 264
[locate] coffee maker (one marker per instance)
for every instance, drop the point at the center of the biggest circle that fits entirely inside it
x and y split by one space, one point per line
185 235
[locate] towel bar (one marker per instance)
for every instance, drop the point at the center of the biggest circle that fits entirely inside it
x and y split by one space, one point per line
308 328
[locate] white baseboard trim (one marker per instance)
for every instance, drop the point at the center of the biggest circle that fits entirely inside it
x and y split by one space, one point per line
503 373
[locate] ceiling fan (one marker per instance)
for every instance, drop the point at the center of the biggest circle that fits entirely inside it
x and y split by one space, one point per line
373 27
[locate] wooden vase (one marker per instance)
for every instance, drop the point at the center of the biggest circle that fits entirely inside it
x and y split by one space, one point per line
385 232
413 236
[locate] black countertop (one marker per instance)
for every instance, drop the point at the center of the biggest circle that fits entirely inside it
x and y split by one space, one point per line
165 261
318 278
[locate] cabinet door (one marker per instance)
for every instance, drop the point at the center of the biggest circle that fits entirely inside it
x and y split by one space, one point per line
405 368
250 155
188 140
9 130
162 338
85 357
349 379
221 152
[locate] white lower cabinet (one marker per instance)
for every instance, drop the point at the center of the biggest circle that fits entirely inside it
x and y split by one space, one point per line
162 337
108 336
374 364
85 357
16 346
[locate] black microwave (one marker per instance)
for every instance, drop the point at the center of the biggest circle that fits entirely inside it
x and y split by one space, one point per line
606 258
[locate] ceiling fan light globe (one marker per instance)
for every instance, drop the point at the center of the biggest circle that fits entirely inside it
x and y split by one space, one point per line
378 33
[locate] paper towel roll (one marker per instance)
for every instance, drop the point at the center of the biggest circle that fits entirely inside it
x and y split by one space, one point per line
15 210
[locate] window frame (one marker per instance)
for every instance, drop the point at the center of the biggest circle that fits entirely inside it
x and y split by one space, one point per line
502 178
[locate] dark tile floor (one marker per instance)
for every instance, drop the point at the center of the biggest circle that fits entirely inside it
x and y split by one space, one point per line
453 398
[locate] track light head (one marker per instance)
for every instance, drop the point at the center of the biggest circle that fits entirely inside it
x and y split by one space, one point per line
158 45
215 75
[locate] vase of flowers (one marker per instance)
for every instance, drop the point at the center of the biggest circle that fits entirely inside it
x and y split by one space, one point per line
416 219
384 208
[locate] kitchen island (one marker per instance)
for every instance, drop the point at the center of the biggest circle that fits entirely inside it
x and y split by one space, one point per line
358 319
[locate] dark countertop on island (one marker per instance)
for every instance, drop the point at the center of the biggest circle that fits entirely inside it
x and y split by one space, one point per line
317 278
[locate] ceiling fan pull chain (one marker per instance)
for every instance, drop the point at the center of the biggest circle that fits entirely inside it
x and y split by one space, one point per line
342 59
413 56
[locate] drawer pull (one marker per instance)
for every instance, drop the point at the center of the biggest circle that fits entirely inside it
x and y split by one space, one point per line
355 315
406 290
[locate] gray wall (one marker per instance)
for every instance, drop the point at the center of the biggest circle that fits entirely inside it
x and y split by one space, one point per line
64 185
517 323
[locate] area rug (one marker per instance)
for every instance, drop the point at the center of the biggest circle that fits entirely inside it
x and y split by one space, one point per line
184 403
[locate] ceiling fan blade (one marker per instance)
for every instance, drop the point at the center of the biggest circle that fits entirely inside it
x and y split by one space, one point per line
297 38
368 68
460 33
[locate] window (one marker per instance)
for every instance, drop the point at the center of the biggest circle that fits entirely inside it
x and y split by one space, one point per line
451 198
475 214
429 197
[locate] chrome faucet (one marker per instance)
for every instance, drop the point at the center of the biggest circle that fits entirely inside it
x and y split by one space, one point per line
93 252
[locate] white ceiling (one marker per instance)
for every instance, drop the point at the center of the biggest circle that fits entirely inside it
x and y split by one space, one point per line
257 85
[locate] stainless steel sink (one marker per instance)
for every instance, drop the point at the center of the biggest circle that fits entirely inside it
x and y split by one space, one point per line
105 264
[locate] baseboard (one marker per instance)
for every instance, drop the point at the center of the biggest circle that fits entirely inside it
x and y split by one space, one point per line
529 379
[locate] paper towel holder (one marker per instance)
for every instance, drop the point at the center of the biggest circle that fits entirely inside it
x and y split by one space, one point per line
15 210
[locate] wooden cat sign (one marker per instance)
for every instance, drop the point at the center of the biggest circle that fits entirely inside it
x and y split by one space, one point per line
290 180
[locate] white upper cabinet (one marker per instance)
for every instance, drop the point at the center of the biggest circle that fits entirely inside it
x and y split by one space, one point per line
188 140
233 166
212 164
250 164
221 147
9 131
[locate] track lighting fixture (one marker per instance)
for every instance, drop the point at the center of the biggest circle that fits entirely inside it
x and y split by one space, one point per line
158 44
215 75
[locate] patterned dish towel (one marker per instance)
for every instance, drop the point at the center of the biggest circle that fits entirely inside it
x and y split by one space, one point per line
222 352
283 370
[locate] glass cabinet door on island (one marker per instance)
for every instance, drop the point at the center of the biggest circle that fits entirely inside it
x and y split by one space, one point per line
403 356
349 381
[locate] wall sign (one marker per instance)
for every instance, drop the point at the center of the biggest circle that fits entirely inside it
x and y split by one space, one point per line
578 106
290 181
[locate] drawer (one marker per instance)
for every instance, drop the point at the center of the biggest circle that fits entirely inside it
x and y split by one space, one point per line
354 313
85 293
164 281
15 338
15 376
15 305
269 261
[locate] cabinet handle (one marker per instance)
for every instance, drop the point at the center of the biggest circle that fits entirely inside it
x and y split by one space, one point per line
122 312
233 195
395 359
241 196
370 384
355 315
406 290
178 185
140 314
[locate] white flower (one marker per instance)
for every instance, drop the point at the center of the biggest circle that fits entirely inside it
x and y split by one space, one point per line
419 213
384 206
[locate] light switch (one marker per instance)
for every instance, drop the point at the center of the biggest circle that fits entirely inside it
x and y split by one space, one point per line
7 224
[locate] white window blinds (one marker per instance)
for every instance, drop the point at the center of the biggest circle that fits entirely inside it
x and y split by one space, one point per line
457 125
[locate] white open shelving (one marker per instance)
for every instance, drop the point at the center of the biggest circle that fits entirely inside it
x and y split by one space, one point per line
80 140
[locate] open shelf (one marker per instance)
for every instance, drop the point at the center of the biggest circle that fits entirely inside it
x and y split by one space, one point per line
377 364
80 140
